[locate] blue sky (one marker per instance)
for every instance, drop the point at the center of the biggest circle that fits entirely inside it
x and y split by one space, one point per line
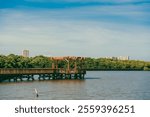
96 28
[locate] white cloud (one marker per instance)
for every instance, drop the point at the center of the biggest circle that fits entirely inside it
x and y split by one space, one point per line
51 33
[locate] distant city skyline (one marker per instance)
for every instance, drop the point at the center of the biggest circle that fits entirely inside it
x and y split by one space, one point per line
91 28
26 53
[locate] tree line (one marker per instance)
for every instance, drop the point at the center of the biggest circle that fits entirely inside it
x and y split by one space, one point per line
110 64
16 61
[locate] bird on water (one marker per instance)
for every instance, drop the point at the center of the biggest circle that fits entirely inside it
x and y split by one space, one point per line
36 92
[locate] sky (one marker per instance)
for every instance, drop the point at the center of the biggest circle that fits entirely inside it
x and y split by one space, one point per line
90 28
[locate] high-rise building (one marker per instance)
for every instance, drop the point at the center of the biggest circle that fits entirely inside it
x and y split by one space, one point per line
25 53
118 58
123 58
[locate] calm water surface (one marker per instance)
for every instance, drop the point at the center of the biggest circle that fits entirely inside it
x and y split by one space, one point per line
122 85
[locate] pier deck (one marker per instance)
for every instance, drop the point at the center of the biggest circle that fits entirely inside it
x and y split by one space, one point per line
10 74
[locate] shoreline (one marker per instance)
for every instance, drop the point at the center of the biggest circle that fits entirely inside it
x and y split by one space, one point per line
115 70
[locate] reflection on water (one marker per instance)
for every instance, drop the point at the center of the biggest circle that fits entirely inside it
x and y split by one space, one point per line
96 85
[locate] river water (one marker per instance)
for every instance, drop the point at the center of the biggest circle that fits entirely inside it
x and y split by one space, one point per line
98 85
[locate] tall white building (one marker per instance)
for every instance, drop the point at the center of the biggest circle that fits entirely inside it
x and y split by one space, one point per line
25 53
123 58
119 58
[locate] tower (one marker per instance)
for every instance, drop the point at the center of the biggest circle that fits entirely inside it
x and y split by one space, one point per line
25 53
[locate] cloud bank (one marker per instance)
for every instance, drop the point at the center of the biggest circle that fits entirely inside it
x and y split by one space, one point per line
84 31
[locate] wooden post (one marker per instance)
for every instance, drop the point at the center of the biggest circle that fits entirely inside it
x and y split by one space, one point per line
56 64
32 76
75 67
53 65
68 67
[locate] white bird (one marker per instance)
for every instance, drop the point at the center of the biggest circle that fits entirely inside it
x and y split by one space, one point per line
36 92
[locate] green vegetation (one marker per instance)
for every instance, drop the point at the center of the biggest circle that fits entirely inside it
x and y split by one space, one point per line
110 64
15 61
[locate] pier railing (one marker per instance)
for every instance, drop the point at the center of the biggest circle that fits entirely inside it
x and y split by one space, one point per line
26 71
8 71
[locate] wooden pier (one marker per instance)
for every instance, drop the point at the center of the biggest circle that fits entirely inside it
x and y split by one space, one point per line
43 74
54 73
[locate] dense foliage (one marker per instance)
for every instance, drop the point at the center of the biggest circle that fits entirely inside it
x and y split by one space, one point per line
110 64
15 61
